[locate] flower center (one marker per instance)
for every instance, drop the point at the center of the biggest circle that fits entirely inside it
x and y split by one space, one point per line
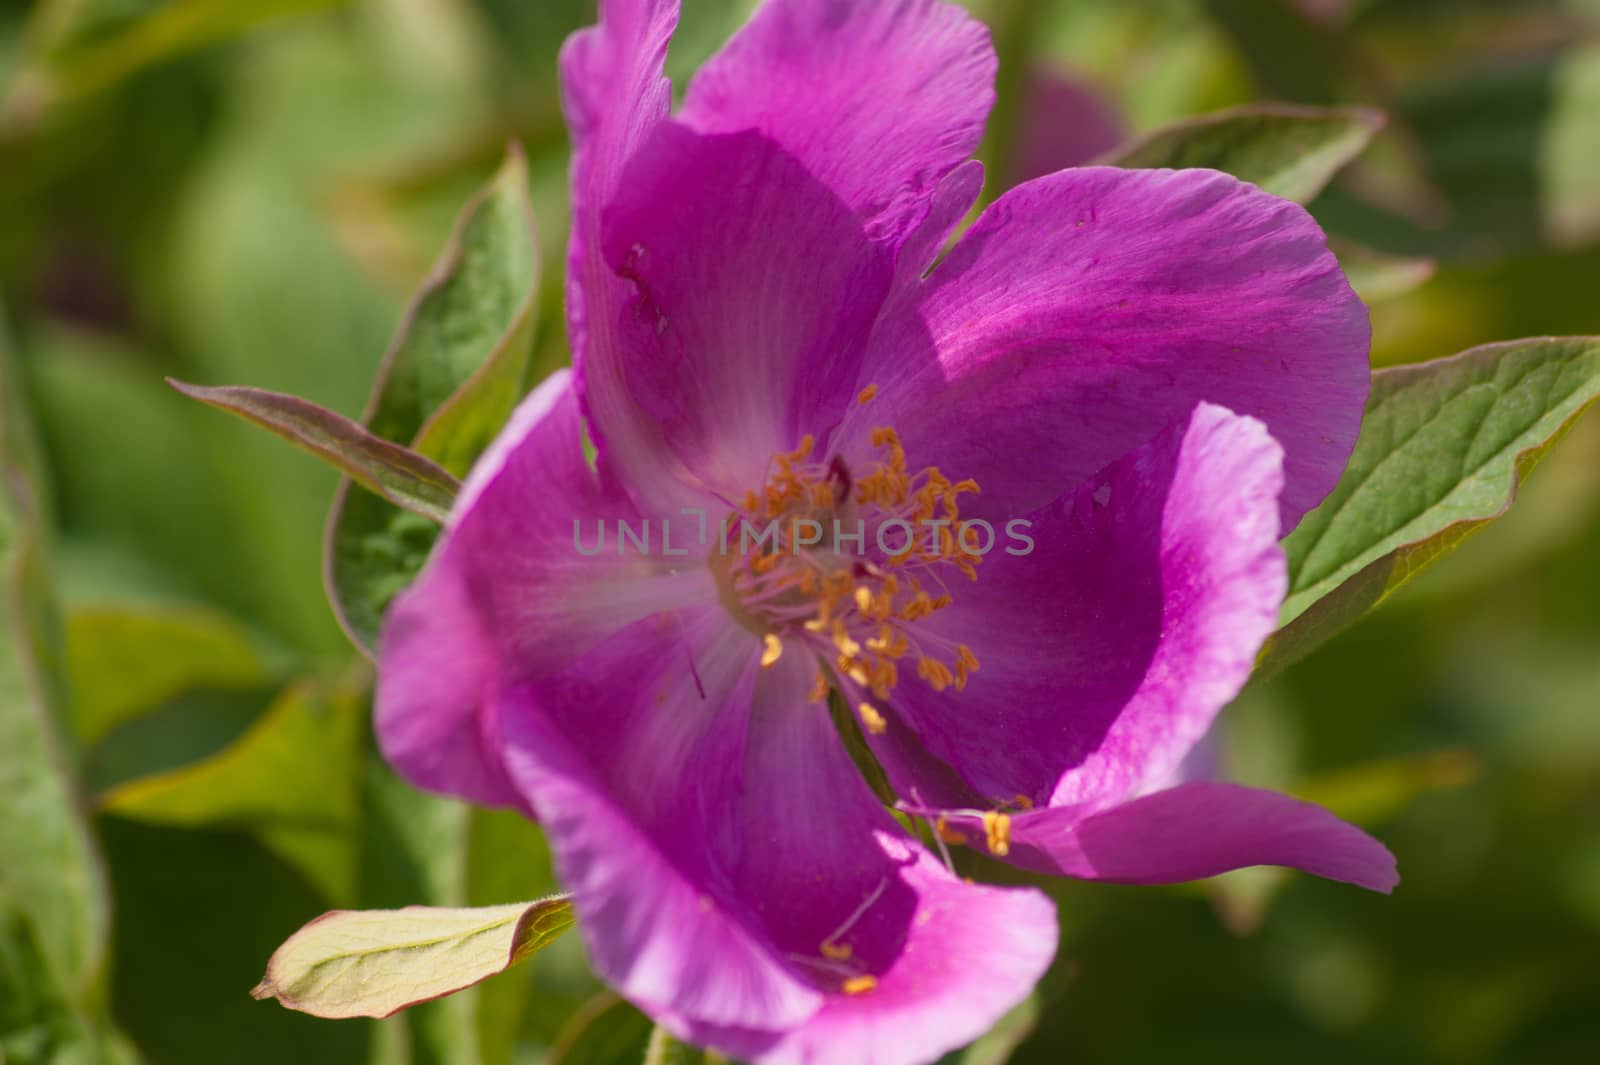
848 565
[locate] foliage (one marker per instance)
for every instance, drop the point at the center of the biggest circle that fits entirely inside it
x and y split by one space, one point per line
375 963
1442 449
450 380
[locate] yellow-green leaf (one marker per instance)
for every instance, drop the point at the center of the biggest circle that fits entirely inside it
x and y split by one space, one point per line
123 661
374 963
291 779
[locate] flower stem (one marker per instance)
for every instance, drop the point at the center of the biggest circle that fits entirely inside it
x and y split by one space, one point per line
664 1049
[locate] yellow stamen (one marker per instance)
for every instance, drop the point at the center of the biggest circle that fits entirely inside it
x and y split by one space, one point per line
842 639
942 829
966 665
872 719
867 394
936 673
860 985
997 832
836 951
856 613
772 651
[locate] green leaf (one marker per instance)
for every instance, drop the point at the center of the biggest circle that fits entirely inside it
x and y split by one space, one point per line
1378 276
123 661
1289 151
47 864
54 917
79 47
291 778
183 731
456 367
1442 449
395 473
449 382
374 963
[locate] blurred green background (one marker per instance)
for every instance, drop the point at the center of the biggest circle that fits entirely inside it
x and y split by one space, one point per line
244 191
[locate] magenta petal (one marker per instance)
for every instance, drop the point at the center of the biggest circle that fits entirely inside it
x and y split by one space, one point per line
614 86
879 99
508 589
949 204
1109 648
715 836
756 291
614 93
1087 310
1198 830
973 953
624 761
430 721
